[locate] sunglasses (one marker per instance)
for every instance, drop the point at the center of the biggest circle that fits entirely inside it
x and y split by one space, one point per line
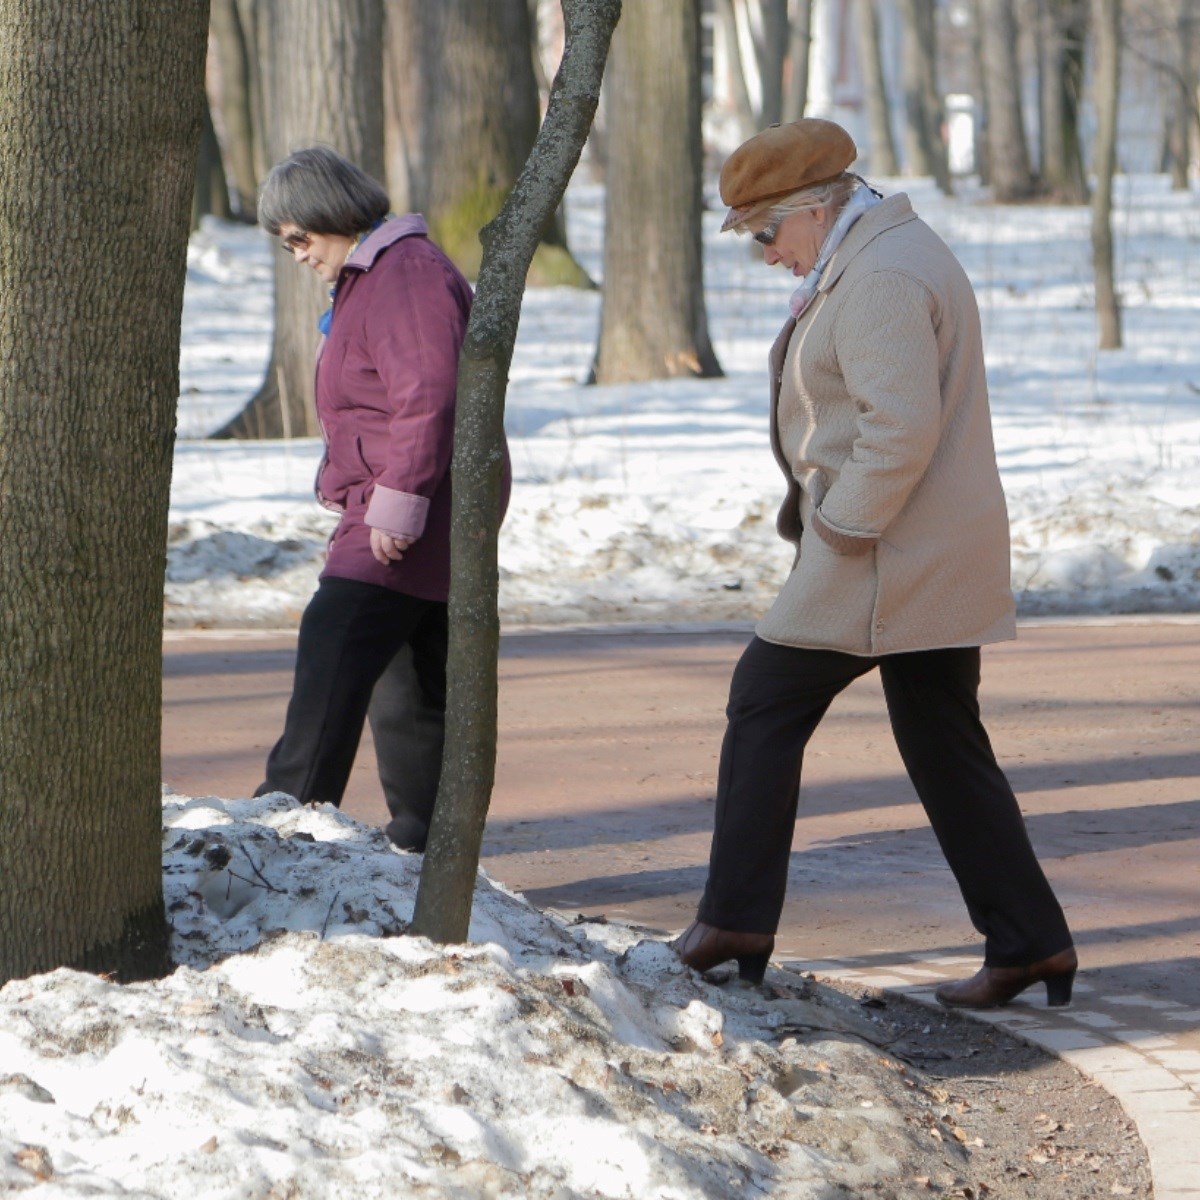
296 241
767 235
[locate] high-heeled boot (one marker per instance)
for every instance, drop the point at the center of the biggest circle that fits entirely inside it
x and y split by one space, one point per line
992 987
703 947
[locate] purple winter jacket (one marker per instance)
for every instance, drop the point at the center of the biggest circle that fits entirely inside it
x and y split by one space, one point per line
385 390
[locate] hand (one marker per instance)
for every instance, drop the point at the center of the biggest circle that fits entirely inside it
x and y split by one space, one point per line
388 549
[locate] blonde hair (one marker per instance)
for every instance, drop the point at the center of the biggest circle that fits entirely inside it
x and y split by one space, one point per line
832 194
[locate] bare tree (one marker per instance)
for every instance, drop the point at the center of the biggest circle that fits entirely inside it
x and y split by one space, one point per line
99 144
926 150
653 323
463 112
1010 173
1182 83
1062 34
235 107
795 91
443 908
322 81
210 197
1107 83
879 111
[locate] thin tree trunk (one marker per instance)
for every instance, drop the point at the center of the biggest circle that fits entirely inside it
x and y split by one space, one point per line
653 323
926 151
879 116
322 81
235 108
447 887
210 197
795 98
771 48
1183 96
982 165
727 31
1062 34
89 379
1008 150
1107 83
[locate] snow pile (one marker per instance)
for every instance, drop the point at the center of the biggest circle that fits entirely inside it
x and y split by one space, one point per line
657 501
305 1049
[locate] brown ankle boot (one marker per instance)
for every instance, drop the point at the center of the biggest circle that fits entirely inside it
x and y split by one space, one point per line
992 987
703 947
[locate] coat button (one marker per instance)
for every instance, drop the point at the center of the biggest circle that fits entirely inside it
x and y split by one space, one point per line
878 626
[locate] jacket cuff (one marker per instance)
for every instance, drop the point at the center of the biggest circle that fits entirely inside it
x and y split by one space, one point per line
842 543
398 513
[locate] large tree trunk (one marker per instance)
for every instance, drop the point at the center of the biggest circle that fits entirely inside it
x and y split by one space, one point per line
443 908
235 110
322 81
1007 149
403 88
463 111
879 116
926 150
653 323
1062 35
1106 83
795 92
98 139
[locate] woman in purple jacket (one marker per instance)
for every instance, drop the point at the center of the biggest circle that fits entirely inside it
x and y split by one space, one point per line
385 386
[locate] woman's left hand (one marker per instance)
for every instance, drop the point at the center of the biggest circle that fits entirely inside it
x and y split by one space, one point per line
388 549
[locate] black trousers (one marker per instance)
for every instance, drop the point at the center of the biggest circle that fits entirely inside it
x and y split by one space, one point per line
777 698
364 648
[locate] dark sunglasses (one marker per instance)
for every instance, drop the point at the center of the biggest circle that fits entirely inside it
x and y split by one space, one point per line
767 235
296 241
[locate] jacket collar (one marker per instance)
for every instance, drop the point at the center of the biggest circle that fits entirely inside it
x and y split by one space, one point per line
378 240
894 210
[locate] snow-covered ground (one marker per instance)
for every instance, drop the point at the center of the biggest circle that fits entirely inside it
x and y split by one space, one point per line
305 1051
656 502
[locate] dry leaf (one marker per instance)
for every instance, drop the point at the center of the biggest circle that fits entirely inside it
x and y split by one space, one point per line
35 1160
717 1039
708 1128
209 1146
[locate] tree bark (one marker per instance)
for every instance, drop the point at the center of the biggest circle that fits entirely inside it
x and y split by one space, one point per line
447 887
926 150
235 109
879 119
463 112
772 47
795 94
1062 35
210 197
726 29
653 323
1106 83
322 81
1182 95
98 139
1008 150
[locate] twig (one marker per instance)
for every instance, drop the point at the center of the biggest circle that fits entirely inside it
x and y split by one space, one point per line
325 924
254 867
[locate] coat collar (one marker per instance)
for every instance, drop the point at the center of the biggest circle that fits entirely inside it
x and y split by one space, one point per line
893 211
392 230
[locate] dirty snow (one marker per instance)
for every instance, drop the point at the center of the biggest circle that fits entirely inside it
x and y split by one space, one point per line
303 1048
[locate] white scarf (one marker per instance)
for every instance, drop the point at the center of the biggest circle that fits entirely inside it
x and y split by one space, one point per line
860 200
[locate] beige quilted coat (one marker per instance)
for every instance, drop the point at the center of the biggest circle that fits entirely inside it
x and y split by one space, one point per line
880 421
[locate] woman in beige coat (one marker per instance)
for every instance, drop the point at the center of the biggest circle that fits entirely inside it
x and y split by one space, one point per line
880 423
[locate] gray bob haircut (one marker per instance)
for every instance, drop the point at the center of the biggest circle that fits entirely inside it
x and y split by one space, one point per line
321 192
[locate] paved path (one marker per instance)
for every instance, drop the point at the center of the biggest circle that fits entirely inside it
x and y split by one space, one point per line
603 803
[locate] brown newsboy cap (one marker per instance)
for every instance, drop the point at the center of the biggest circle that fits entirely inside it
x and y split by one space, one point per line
781 160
